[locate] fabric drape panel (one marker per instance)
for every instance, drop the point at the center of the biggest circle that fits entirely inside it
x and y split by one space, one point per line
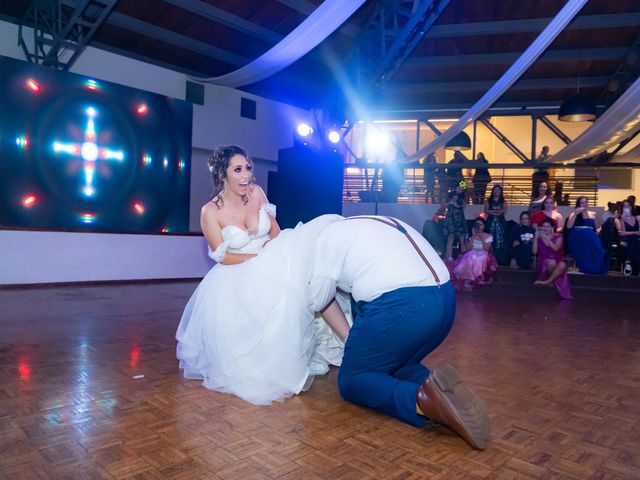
311 32
632 156
539 45
619 122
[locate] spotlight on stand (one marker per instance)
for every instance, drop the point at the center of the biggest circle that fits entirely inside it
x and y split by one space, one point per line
377 141
334 136
577 108
460 142
304 130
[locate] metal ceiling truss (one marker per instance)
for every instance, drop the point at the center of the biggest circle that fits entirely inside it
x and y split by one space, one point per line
223 17
484 85
390 35
507 58
510 145
61 32
627 72
582 22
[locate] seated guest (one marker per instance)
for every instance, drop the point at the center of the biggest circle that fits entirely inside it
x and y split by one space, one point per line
537 201
550 267
548 211
476 265
520 243
584 245
629 230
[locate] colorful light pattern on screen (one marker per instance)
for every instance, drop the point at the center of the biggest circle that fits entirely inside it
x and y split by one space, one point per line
29 200
33 85
88 154
87 217
138 207
89 151
22 142
92 85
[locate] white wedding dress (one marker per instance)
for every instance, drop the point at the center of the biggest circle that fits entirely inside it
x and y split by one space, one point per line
248 329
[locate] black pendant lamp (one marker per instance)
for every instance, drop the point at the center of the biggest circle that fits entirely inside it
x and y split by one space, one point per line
577 108
460 142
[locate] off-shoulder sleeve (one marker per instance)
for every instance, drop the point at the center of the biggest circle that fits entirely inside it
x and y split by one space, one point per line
489 239
269 208
219 253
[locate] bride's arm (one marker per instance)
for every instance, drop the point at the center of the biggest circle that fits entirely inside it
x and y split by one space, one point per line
334 316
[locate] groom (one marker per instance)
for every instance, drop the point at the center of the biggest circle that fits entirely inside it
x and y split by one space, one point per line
405 306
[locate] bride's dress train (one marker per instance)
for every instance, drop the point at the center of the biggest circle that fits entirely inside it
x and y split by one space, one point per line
248 329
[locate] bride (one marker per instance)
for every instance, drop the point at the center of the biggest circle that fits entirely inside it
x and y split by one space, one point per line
248 329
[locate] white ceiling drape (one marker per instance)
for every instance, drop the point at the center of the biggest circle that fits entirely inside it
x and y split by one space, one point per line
539 45
619 122
310 33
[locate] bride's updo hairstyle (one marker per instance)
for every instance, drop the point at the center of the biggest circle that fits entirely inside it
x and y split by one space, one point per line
219 161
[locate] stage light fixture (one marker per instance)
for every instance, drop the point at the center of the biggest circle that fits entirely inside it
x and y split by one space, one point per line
304 130
142 109
377 141
334 136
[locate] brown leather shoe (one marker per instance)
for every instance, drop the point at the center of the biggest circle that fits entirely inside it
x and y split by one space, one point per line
444 398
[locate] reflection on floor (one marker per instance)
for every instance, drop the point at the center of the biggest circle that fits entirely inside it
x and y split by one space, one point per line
89 388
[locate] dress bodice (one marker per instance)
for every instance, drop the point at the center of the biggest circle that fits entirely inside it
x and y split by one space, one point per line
238 240
587 223
631 228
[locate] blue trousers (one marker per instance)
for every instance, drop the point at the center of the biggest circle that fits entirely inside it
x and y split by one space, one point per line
381 366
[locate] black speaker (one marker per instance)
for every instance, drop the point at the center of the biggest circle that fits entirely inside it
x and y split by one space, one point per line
194 93
308 184
248 108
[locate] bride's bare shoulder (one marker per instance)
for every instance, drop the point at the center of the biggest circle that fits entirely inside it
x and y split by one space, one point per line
211 209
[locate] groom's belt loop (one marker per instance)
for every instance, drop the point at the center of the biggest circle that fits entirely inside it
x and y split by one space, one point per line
392 222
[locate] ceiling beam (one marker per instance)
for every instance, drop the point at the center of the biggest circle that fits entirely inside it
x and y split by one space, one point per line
612 20
306 8
157 33
223 17
483 85
507 58
149 30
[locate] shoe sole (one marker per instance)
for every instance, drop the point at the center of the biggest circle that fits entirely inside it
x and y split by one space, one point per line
469 410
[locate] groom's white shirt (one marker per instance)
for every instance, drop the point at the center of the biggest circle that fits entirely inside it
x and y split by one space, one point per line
367 258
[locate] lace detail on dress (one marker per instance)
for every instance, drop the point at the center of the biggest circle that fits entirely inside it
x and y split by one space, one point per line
269 208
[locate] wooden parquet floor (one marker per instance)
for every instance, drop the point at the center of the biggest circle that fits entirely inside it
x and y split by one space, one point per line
90 389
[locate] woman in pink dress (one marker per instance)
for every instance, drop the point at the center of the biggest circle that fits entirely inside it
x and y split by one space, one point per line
476 266
550 267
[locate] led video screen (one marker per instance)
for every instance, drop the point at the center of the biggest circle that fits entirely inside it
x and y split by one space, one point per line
81 154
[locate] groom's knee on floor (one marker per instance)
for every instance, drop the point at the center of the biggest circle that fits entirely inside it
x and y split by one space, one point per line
350 388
